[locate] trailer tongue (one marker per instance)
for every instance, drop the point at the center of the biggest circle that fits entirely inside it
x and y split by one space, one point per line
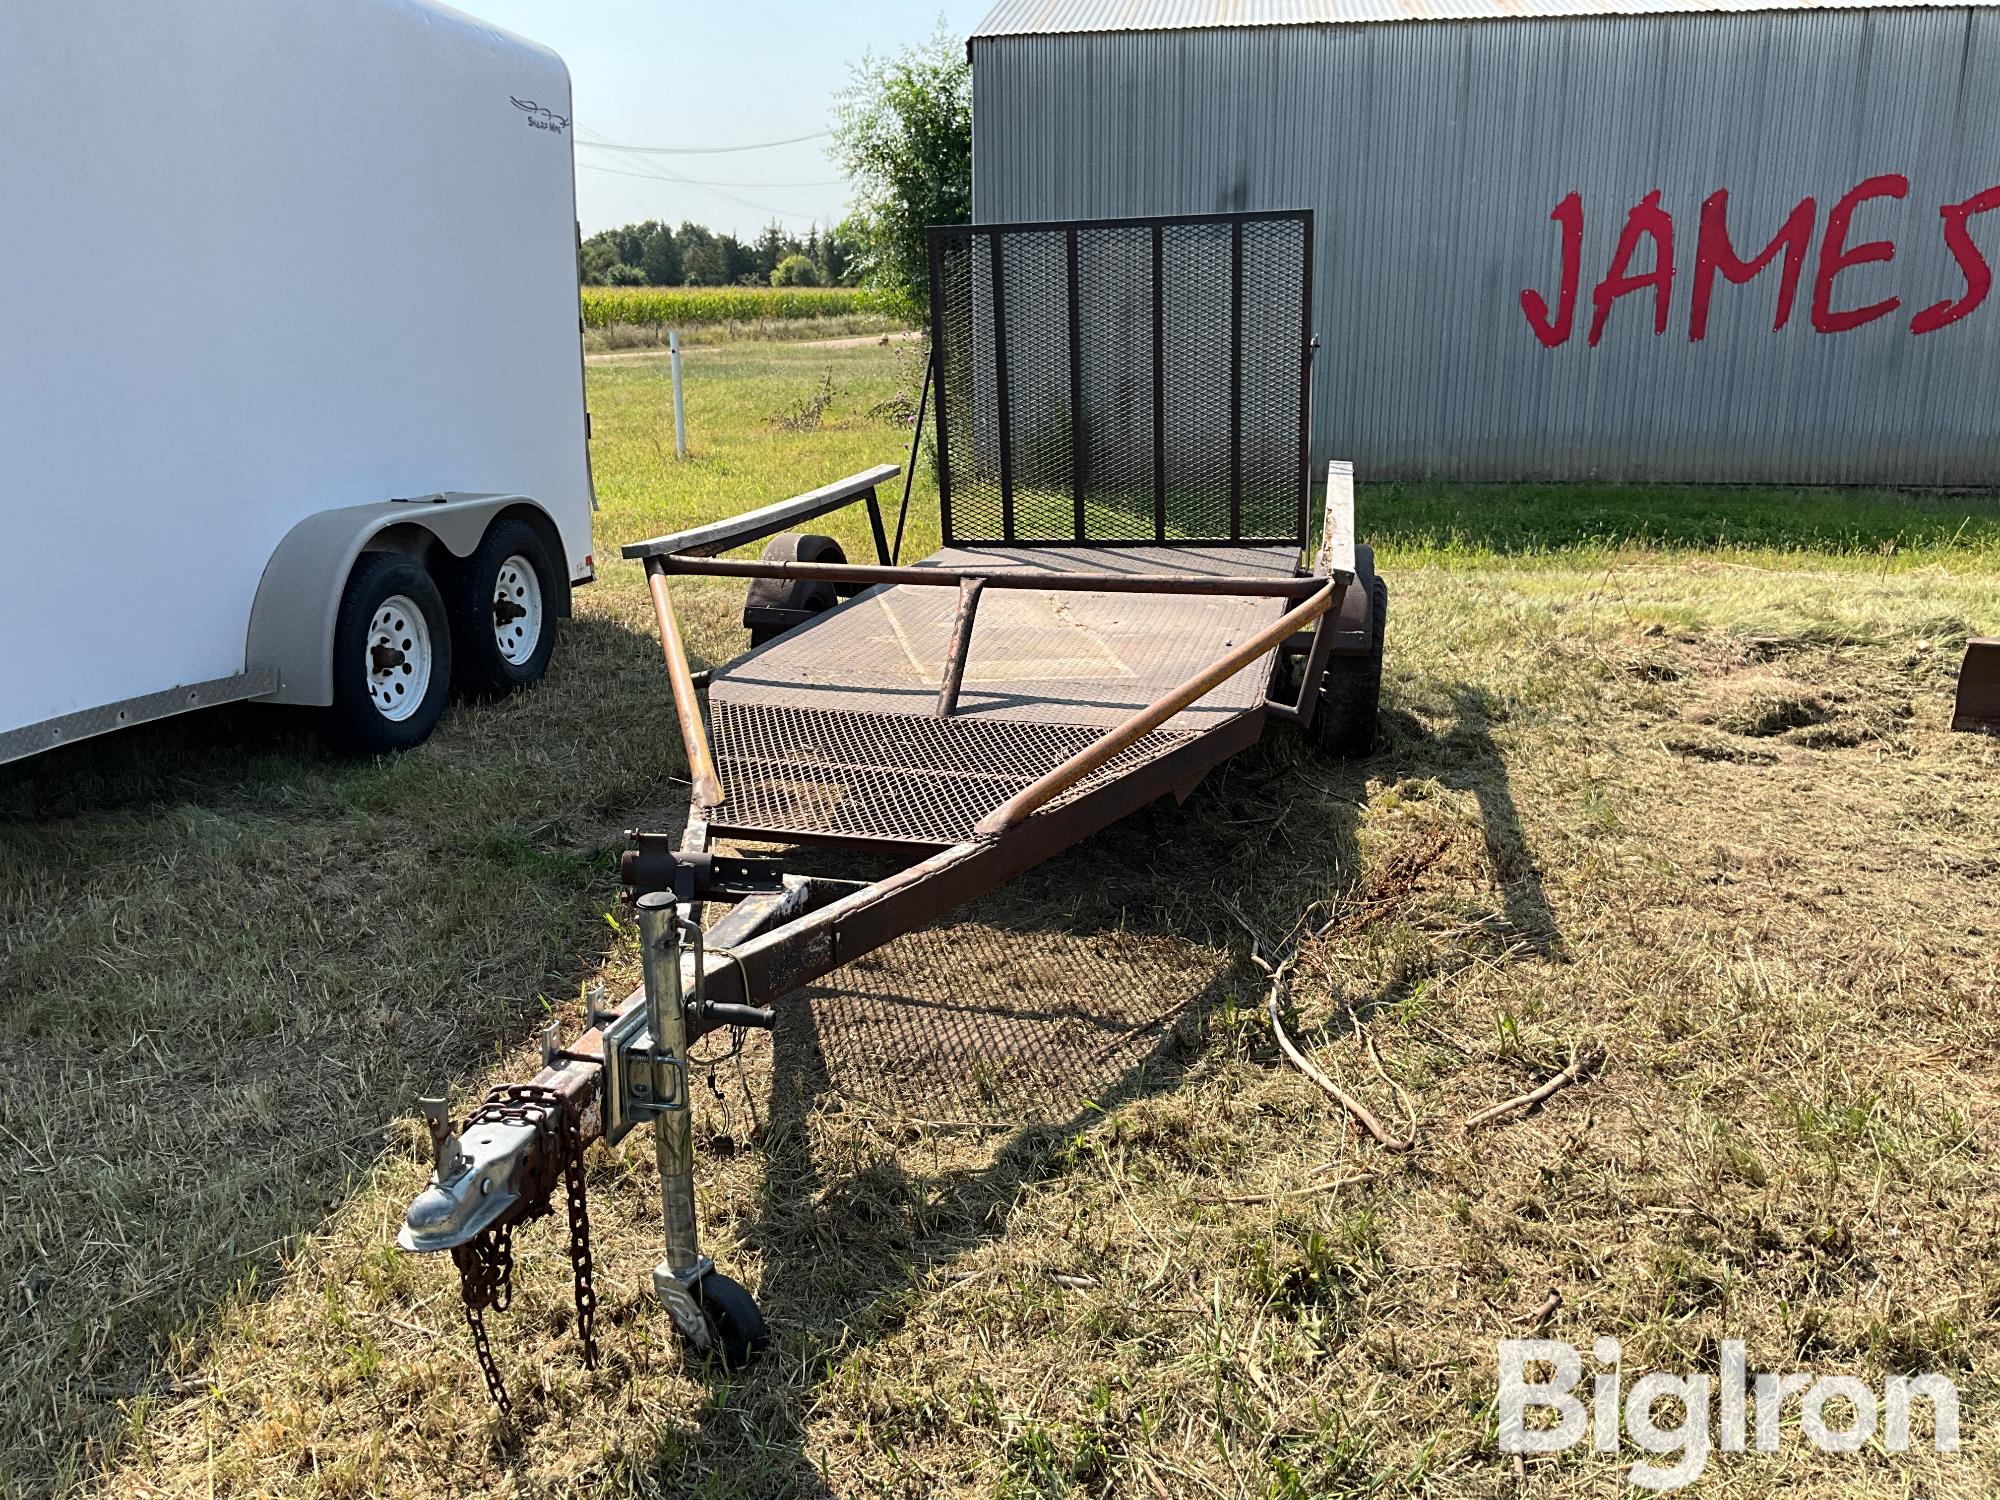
1104 626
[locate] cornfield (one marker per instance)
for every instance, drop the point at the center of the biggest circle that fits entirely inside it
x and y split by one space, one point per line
667 306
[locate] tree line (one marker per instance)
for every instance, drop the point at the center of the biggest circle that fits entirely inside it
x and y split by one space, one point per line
656 254
902 131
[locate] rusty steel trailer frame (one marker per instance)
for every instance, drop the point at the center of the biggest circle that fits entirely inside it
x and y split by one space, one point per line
630 1066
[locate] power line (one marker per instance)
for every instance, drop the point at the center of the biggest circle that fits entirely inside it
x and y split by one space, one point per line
817 135
661 174
591 166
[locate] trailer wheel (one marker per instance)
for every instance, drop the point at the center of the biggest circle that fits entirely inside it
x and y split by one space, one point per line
736 1328
1345 722
774 605
391 657
502 602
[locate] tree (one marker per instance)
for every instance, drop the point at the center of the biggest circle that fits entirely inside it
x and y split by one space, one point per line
595 259
769 248
902 130
795 270
840 256
659 256
702 260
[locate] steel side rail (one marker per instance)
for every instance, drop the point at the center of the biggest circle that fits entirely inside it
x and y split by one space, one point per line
998 578
1144 722
769 520
694 734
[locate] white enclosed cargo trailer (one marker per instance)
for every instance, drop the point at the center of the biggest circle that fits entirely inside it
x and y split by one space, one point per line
291 375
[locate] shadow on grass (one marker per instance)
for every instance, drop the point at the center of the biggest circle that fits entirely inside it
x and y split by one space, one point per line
1533 518
1271 834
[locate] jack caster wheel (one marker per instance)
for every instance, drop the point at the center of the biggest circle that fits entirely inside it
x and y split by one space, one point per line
736 1330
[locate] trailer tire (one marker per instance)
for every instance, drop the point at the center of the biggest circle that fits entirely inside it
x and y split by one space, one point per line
1348 716
736 1331
502 603
773 606
391 658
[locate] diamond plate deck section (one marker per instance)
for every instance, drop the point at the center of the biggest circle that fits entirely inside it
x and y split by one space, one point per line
831 731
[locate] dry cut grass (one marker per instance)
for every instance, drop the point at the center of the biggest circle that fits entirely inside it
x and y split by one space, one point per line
1031 1202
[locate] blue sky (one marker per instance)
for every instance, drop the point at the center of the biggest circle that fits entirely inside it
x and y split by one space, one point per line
669 73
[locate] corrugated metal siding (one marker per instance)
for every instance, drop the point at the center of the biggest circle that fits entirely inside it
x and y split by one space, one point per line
1051 17
1434 154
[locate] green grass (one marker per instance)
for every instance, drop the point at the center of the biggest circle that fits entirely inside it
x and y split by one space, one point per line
1690 801
1469 524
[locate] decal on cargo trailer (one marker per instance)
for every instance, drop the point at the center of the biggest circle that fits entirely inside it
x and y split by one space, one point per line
1644 262
540 118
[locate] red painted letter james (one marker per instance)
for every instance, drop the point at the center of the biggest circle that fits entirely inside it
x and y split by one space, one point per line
1835 257
1713 252
1553 331
1646 218
1971 264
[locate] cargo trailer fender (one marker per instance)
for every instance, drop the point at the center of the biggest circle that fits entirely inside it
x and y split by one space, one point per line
291 619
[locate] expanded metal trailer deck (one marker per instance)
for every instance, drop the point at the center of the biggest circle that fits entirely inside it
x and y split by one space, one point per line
832 732
1126 595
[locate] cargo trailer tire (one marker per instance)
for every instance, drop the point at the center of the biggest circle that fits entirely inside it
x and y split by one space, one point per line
1346 720
502 602
391 658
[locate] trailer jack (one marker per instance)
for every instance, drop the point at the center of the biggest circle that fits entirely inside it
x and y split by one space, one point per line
646 1079
499 1169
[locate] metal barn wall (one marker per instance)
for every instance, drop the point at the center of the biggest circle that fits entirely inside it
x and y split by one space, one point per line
1434 154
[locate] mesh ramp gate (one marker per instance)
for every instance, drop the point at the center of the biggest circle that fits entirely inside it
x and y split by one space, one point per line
1124 380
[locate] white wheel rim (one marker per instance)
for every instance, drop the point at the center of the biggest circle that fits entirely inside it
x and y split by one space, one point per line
397 658
518 635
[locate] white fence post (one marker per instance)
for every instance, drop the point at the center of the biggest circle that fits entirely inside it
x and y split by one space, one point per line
680 411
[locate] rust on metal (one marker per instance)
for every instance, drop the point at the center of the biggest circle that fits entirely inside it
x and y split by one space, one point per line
1007 578
769 520
1978 705
832 733
701 765
1144 722
969 587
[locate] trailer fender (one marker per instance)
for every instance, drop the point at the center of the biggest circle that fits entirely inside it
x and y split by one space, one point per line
1354 626
291 619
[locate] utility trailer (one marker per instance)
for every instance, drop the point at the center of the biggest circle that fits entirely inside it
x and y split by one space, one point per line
1127 594
292 402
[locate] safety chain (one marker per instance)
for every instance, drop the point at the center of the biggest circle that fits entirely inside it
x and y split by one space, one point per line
579 1238
486 1262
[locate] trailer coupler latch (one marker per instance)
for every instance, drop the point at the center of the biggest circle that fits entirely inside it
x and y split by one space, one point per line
476 1179
653 864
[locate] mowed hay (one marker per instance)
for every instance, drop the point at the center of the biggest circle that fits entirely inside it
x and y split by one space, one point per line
230 964
1206 1282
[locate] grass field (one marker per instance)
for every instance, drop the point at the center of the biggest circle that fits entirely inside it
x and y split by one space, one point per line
1664 772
